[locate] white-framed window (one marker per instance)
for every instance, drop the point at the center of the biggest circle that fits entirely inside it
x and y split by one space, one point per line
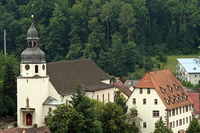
141 90
144 125
156 113
134 101
155 101
144 101
148 90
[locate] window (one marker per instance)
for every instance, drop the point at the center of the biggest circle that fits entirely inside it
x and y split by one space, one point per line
144 125
183 121
183 109
36 68
173 112
155 101
97 97
176 123
148 91
195 75
155 113
173 124
134 101
108 97
190 118
43 67
180 110
169 113
189 107
170 124
144 101
103 98
186 119
186 109
177 111
50 110
180 122
141 90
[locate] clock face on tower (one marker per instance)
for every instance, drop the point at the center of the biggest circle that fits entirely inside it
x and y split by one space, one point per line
27 67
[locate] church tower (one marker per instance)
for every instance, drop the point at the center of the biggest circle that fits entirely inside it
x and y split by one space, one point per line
32 84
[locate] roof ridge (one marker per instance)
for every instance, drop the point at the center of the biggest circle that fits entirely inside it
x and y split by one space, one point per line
75 60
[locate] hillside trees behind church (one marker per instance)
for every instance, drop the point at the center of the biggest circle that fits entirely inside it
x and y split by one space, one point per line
72 29
9 70
88 116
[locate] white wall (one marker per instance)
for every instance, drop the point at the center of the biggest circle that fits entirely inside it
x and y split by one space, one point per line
194 78
100 93
145 111
31 71
37 92
179 116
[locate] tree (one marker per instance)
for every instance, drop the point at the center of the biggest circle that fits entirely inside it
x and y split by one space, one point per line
113 119
9 90
120 100
133 121
86 106
161 128
194 126
65 119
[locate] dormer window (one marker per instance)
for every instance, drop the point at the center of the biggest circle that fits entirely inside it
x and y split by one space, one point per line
170 88
167 101
176 86
163 89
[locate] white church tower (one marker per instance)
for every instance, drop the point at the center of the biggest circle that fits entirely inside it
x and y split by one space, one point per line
32 84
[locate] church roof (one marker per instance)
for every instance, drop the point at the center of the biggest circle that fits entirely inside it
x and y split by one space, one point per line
52 101
66 75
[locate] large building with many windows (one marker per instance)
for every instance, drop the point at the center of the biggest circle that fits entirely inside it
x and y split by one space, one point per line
160 94
188 69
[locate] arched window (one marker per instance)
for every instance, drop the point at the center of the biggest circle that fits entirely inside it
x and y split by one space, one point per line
34 44
36 68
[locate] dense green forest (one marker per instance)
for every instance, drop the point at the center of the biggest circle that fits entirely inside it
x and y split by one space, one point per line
121 36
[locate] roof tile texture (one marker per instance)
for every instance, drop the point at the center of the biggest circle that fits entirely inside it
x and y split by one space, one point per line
170 90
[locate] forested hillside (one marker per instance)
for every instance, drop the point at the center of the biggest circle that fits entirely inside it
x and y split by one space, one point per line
121 36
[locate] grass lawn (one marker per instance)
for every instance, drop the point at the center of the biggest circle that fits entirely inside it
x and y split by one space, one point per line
172 62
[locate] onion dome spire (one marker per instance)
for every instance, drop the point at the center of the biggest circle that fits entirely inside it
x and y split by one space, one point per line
32 54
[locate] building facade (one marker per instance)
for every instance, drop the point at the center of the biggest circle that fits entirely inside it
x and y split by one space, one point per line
42 86
188 69
160 94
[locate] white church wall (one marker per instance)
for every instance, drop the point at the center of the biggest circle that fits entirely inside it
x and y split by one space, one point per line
36 90
28 70
106 95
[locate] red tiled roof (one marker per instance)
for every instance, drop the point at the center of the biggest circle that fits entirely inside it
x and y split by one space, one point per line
124 89
194 96
170 90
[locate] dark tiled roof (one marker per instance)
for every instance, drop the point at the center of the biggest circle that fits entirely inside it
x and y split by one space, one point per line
66 75
131 82
170 90
99 86
124 89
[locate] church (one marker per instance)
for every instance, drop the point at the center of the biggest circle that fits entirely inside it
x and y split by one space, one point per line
42 86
